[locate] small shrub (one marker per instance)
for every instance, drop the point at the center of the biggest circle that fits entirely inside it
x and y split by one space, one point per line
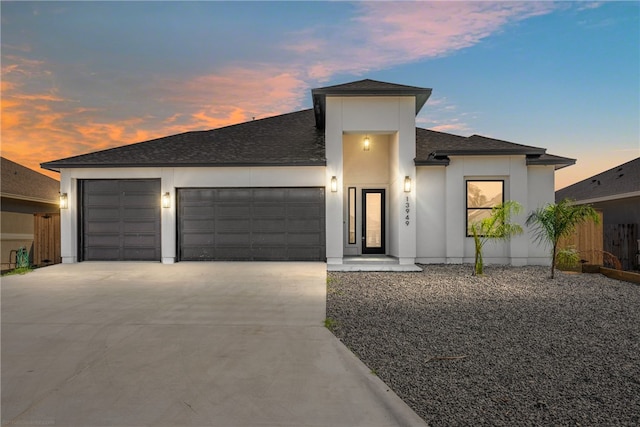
568 259
330 323
20 270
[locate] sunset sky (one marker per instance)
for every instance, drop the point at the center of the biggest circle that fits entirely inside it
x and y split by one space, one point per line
84 76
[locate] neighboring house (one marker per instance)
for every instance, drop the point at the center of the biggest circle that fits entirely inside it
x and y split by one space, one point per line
353 176
616 193
24 192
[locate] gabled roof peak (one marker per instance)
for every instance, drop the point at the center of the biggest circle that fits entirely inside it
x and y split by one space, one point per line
366 87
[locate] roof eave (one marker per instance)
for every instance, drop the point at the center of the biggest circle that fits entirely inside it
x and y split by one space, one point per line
489 152
57 166
558 162
608 198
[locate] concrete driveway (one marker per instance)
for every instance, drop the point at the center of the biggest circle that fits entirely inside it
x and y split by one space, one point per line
189 344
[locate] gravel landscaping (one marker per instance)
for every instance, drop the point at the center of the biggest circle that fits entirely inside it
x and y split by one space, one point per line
512 347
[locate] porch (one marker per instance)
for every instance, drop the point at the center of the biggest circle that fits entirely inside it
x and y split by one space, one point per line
372 263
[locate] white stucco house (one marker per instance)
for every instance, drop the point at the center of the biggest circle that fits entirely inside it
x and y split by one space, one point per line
351 178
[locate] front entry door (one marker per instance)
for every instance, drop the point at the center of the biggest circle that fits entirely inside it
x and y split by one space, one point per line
373 220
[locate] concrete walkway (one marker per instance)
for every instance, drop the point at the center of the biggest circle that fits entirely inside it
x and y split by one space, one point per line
189 344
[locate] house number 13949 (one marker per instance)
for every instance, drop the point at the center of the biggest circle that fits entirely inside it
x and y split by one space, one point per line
407 210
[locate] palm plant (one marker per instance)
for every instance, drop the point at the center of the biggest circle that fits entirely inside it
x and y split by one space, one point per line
557 220
497 226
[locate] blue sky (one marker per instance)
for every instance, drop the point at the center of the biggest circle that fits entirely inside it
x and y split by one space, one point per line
83 76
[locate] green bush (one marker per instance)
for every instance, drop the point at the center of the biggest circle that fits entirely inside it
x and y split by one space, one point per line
568 259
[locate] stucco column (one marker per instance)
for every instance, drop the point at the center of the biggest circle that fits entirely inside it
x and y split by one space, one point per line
168 218
518 190
68 219
334 200
404 202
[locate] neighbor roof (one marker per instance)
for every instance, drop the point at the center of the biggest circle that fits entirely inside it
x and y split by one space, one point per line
365 87
286 140
618 182
22 183
434 148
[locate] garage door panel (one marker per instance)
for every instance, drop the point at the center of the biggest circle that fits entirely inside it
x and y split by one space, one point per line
98 212
138 253
191 225
270 210
106 240
253 224
232 210
198 239
139 227
271 195
270 224
305 225
305 239
306 195
269 253
268 239
140 201
102 185
139 240
232 239
103 254
234 195
106 200
102 226
233 253
305 211
223 225
197 211
138 213
120 220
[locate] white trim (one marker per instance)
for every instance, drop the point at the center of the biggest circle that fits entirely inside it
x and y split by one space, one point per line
607 198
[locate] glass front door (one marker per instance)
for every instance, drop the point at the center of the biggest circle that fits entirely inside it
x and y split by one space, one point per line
373 220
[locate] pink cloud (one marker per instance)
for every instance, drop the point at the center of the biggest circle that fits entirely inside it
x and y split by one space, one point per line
391 33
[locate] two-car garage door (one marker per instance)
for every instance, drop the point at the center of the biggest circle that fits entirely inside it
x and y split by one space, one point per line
120 220
274 224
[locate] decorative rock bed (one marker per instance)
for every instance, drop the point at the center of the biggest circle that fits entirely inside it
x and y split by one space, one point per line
512 347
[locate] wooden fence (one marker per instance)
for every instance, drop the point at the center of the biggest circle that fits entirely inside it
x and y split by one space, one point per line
46 239
621 240
587 239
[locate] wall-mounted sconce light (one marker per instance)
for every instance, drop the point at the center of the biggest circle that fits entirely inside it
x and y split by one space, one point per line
64 201
407 184
334 184
166 200
366 146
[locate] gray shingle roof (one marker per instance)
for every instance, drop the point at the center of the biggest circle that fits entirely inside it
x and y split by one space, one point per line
19 182
365 87
434 148
622 179
295 139
286 140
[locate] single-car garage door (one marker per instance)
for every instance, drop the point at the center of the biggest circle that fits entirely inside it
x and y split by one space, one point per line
120 220
251 224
